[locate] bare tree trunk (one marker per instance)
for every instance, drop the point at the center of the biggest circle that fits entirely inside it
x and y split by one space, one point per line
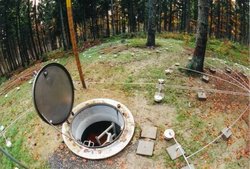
211 19
151 23
31 33
201 36
65 44
187 29
170 17
218 21
107 21
112 18
37 30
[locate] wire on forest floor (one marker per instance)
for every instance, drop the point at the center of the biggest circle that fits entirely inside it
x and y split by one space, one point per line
219 136
191 70
234 79
13 122
178 87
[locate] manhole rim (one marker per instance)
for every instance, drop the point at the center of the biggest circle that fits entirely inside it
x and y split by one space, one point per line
100 152
88 106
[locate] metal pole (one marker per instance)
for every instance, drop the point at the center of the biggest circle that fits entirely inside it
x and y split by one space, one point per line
73 42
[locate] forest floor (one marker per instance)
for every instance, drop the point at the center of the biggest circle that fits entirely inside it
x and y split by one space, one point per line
110 68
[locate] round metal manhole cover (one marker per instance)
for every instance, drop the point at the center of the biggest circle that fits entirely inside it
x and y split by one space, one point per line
53 93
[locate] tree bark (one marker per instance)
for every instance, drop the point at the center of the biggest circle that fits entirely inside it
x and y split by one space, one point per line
187 27
31 32
151 23
211 19
107 20
37 30
218 20
170 17
65 44
112 18
201 36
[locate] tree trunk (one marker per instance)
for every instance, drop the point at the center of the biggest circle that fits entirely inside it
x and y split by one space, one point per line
112 18
187 29
31 32
37 30
65 44
107 22
159 17
211 19
165 19
218 20
201 36
183 16
151 23
170 17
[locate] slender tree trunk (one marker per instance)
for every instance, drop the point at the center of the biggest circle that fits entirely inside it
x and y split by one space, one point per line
107 19
124 23
65 44
236 23
187 16
17 28
131 16
84 23
159 15
211 19
31 32
165 19
37 30
112 18
151 23
201 36
170 16
218 35
183 16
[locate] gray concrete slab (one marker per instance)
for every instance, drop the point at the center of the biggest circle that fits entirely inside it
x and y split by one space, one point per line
174 151
205 78
149 132
202 96
145 148
228 70
212 70
226 133
187 167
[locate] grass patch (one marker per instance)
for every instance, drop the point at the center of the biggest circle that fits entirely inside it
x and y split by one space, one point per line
18 149
227 50
2 79
17 103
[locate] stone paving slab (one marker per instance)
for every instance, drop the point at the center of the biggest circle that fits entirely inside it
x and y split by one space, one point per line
226 133
202 96
145 148
205 78
175 151
149 132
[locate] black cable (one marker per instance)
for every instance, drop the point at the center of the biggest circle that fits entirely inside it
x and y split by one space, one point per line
12 158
